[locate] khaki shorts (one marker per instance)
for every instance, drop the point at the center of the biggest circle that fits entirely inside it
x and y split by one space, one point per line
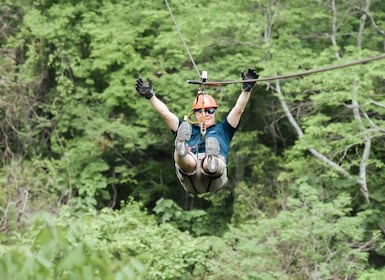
200 181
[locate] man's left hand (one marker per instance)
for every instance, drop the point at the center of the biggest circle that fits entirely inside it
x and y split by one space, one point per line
250 75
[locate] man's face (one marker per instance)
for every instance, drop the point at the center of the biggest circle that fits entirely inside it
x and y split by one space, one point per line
209 116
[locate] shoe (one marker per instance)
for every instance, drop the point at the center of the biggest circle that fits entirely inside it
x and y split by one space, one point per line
183 135
212 153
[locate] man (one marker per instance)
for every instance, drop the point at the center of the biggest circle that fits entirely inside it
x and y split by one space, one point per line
201 147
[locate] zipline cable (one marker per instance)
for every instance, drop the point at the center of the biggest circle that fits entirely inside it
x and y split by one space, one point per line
287 76
279 77
182 38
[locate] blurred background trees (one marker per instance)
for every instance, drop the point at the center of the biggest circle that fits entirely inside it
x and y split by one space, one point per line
307 159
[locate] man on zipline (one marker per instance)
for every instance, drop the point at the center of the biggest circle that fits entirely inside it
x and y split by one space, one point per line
201 148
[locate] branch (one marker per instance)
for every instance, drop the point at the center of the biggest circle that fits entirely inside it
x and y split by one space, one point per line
24 203
364 160
367 140
375 25
300 133
68 164
365 10
335 28
373 125
379 104
362 23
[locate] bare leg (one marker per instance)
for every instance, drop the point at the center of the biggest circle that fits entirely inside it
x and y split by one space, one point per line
221 165
211 162
187 163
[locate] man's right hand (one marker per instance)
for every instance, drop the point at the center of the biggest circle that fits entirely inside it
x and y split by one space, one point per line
144 89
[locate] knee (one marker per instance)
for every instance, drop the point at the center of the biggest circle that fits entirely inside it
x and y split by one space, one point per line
220 167
187 163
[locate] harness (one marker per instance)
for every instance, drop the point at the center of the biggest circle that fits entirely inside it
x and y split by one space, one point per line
200 182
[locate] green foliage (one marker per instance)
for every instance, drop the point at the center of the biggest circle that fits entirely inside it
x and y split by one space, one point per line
22 193
54 251
212 221
130 232
124 244
372 275
255 168
73 131
169 212
319 236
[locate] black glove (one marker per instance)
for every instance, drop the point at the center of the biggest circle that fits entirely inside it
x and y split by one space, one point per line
144 89
250 75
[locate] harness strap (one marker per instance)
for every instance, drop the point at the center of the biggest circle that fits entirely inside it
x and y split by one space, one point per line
208 187
190 177
192 184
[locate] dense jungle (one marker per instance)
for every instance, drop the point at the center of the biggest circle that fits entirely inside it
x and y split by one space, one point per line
87 176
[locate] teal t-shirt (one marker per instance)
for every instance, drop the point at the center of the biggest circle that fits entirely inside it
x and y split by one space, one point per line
222 131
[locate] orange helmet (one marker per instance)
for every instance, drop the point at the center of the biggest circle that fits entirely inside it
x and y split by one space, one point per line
204 101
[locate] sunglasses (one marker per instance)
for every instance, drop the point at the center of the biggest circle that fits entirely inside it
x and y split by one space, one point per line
210 111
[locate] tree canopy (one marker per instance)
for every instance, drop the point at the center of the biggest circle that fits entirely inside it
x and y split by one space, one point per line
304 198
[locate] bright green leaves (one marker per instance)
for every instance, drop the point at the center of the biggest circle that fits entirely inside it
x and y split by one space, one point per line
57 249
192 221
311 233
75 127
134 241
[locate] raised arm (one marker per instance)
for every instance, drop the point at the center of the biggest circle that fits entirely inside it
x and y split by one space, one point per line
235 114
146 90
171 119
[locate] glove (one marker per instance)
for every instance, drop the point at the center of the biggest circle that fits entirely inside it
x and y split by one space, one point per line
250 75
144 89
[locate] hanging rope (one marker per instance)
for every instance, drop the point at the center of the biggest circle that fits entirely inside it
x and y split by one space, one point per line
281 77
201 91
182 38
203 114
202 120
